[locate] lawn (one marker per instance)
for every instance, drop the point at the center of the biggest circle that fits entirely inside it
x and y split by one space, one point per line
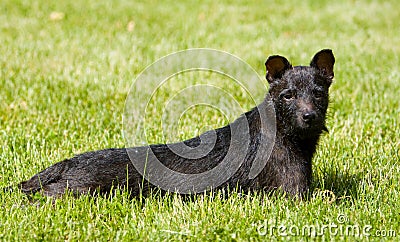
66 71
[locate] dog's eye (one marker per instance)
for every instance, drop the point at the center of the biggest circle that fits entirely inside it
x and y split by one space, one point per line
318 94
289 95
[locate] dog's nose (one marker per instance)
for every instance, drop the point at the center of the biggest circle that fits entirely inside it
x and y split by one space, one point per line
309 116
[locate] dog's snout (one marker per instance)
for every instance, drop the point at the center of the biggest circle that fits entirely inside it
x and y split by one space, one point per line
309 116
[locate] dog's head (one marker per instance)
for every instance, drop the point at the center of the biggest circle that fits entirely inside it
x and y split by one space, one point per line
300 93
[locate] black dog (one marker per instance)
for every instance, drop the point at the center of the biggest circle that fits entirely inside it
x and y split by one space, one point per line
299 96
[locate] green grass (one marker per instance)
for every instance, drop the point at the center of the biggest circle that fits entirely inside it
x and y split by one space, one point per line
64 78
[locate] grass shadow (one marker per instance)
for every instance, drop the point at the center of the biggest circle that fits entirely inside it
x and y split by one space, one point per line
341 183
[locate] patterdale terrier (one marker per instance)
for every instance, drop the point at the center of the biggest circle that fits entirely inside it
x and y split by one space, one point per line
299 96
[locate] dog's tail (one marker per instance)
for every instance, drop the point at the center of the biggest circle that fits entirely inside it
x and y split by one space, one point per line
37 182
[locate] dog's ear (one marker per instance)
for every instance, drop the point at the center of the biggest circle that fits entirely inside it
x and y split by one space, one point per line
276 65
324 61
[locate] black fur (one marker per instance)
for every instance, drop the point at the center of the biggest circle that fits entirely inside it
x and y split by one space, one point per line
300 98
